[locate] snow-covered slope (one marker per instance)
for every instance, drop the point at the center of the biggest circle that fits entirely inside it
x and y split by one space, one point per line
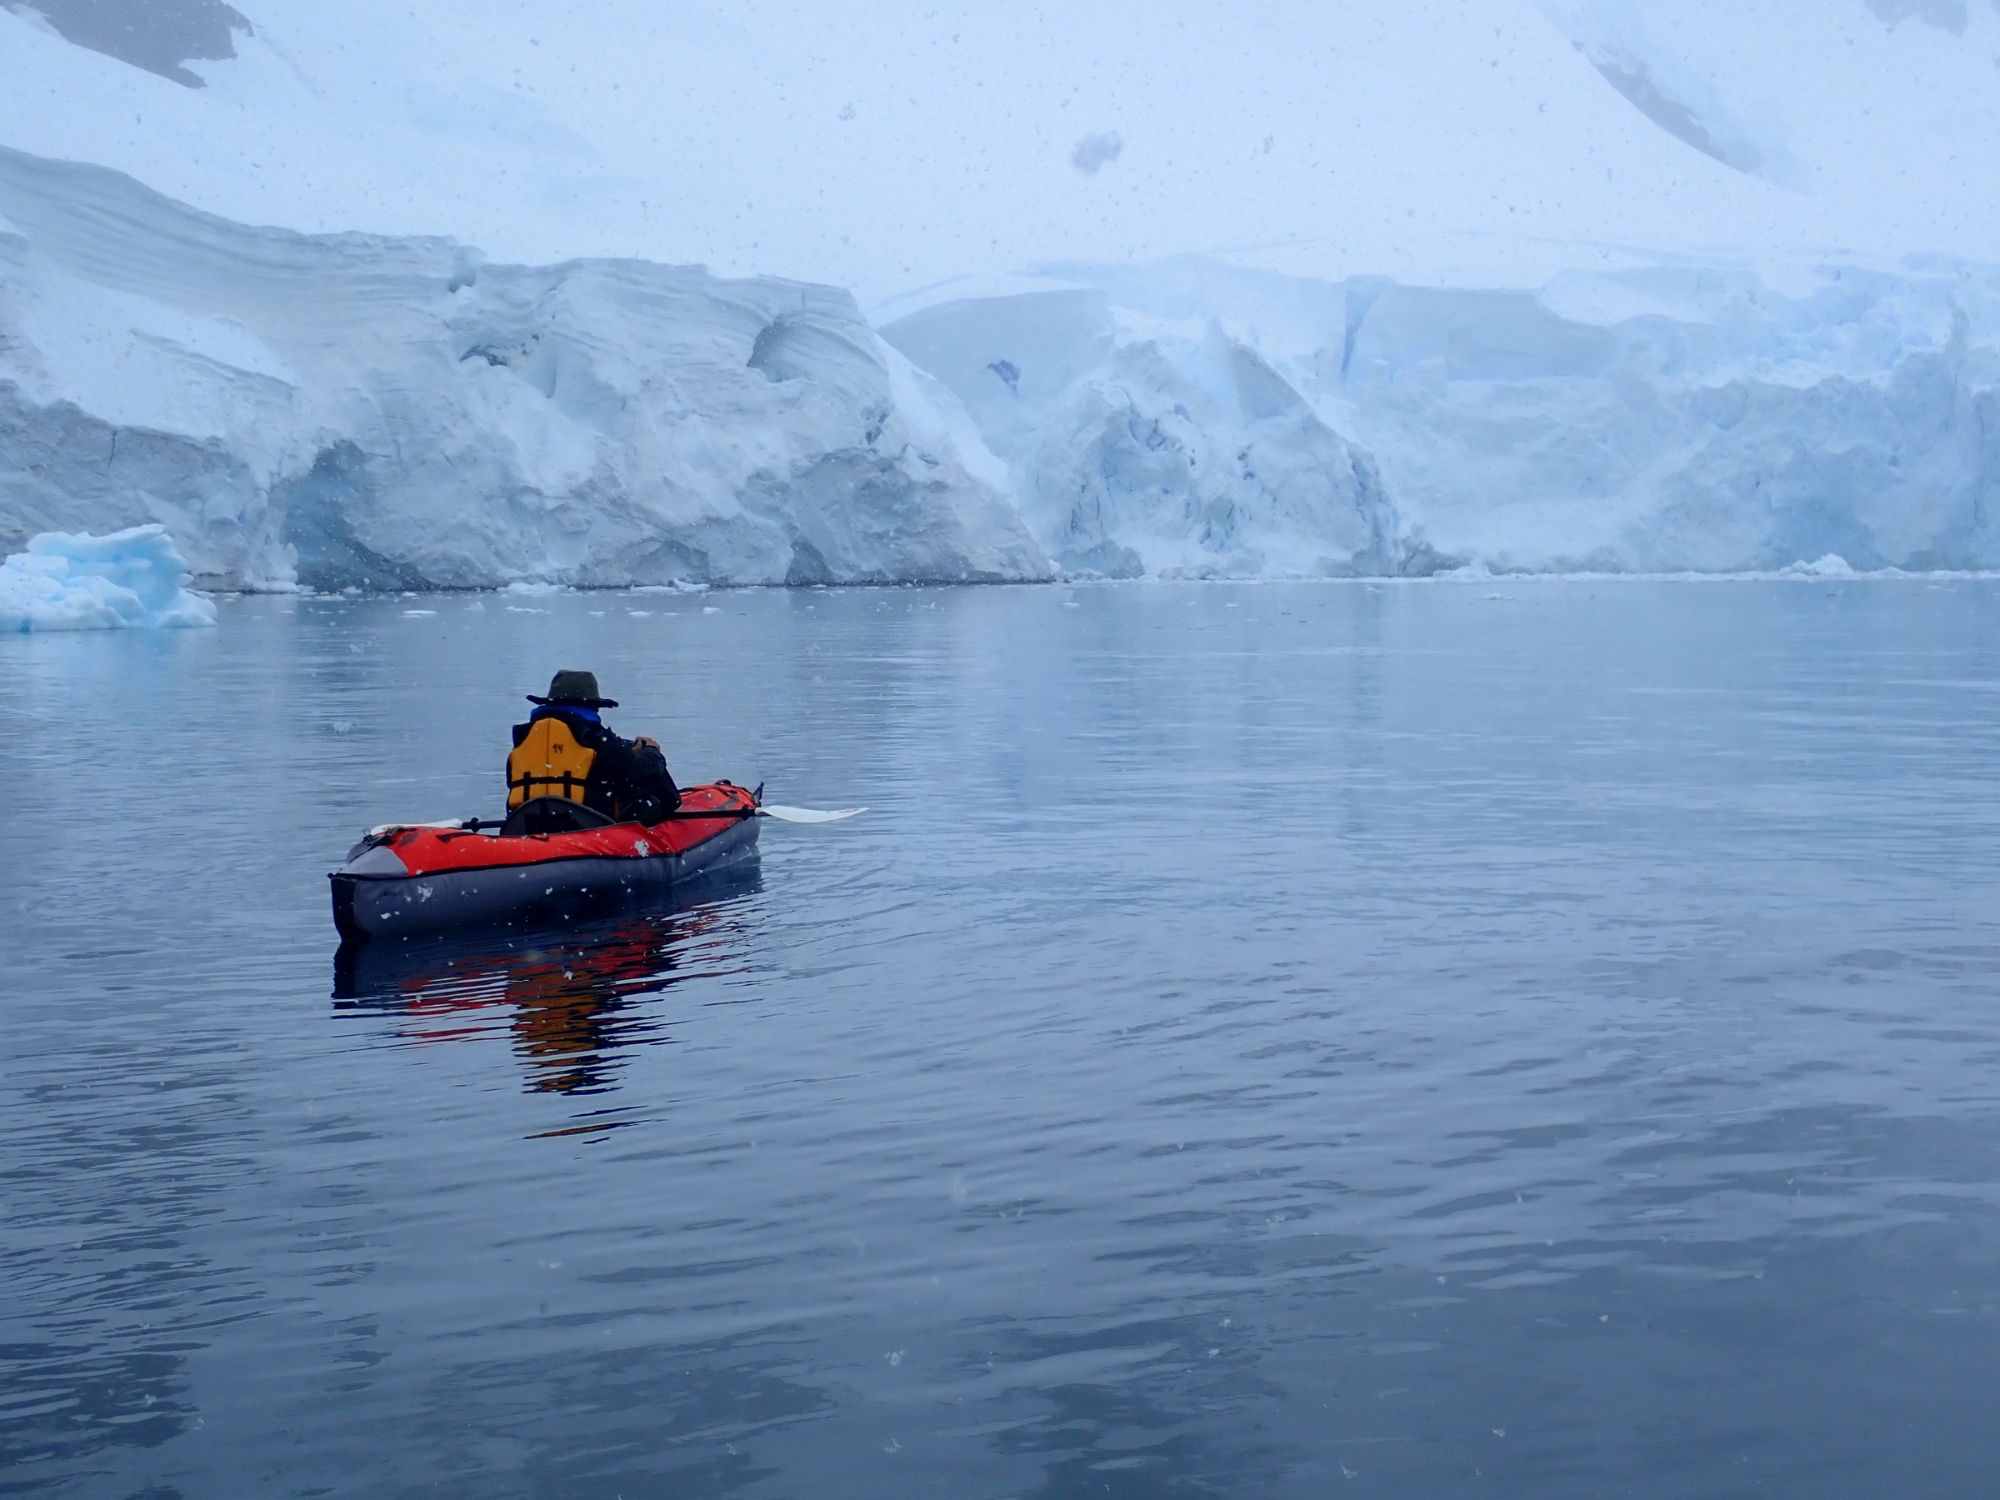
359 408
1886 113
1694 417
887 145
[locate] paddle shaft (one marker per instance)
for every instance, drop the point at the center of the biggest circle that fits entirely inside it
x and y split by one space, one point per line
682 814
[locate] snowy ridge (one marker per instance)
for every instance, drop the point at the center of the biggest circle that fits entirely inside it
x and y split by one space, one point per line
358 408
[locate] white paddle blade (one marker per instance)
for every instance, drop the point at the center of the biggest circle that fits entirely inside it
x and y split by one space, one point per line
808 814
382 830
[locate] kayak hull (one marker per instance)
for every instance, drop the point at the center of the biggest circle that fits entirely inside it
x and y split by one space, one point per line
424 880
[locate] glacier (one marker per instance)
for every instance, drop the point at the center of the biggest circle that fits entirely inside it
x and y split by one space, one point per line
1604 295
131 578
1143 446
1659 417
335 410
391 412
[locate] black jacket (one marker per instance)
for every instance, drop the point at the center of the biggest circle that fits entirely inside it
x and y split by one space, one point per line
628 782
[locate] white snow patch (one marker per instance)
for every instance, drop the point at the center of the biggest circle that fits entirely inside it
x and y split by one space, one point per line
68 581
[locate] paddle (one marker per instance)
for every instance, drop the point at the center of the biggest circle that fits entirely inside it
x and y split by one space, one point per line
807 814
776 810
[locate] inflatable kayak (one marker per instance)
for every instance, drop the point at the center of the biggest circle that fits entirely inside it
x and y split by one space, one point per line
419 878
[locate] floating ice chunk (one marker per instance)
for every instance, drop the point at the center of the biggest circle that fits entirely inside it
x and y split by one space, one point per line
418 614
1831 565
76 581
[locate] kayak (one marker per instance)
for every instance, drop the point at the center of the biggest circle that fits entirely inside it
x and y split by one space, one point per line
408 878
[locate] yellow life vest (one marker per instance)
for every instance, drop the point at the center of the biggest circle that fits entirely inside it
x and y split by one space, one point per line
548 763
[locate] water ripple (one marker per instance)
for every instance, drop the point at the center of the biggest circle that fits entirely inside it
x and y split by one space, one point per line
1262 1042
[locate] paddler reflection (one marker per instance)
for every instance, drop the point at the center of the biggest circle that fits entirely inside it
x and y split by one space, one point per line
574 997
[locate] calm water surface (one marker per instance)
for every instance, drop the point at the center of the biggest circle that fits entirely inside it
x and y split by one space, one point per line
1530 1039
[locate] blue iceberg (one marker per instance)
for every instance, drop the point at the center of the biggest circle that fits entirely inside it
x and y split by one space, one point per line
75 581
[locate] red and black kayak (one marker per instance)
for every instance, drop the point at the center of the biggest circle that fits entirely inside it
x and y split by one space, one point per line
404 878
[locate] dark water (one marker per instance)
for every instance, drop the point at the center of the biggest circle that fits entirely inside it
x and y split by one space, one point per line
1452 1039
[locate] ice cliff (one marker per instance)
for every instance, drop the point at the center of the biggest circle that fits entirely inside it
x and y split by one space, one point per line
336 409
397 412
1654 416
1140 445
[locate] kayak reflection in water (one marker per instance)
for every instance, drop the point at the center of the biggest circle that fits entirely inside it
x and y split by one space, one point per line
570 995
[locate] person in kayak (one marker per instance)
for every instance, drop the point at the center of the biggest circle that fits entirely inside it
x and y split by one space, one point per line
565 750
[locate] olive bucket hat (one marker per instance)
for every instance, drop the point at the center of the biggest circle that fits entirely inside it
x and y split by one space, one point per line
578 689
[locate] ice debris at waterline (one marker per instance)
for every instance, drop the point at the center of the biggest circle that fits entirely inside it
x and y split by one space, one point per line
75 581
